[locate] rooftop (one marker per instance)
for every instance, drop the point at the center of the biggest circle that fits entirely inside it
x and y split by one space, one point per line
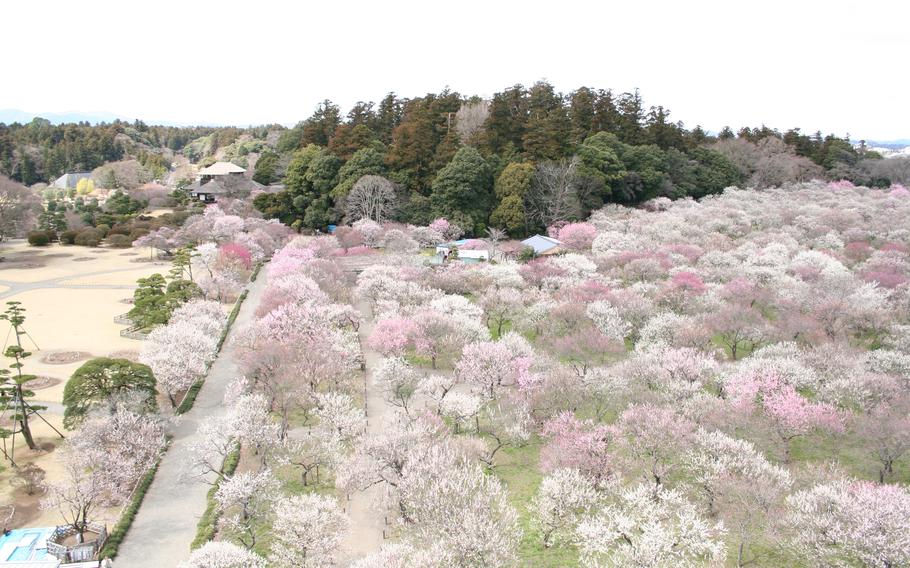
224 186
221 169
541 243
26 547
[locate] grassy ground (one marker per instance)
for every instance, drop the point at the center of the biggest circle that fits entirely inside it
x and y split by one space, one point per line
291 484
518 470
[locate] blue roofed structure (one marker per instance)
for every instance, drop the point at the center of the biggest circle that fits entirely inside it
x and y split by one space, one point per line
542 244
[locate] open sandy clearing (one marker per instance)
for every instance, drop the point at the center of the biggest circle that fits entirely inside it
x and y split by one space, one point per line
71 295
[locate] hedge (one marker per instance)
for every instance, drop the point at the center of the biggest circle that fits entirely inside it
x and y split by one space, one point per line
255 272
208 522
39 239
190 398
116 536
119 241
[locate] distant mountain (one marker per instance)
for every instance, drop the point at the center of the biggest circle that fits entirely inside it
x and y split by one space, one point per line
893 144
9 116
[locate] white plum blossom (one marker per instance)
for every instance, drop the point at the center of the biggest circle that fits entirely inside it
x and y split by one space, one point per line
650 528
306 531
613 242
608 320
564 497
221 554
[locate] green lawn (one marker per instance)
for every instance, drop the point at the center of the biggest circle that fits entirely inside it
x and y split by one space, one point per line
518 469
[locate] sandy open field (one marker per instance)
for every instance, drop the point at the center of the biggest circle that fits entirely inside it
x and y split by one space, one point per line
71 295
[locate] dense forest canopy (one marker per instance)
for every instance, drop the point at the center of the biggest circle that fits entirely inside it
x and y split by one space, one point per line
461 157
526 158
40 151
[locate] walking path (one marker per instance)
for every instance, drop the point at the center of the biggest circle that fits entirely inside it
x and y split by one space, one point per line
165 526
17 287
365 507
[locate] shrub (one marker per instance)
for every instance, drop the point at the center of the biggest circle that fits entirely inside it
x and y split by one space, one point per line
119 241
526 253
68 237
138 233
103 230
88 238
39 238
208 522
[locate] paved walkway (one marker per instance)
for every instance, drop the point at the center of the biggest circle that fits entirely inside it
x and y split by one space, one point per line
161 534
17 287
364 507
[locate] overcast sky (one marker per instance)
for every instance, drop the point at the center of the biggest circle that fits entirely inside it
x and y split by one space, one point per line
835 65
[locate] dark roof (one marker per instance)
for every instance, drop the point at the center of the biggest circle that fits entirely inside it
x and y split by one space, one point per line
224 186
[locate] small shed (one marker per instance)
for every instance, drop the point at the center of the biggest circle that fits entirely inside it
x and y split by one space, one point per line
463 254
543 244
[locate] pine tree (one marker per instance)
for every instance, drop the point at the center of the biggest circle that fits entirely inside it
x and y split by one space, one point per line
13 392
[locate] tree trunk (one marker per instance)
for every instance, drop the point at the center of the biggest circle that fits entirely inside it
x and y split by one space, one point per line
27 433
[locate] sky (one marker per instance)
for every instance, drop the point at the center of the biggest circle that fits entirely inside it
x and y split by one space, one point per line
835 65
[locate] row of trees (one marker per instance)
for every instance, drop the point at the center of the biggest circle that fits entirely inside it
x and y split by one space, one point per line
447 156
299 357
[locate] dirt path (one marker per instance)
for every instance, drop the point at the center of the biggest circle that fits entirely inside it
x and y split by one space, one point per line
161 534
17 287
364 508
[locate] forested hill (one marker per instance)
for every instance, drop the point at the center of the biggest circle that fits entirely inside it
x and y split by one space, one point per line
502 162
40 151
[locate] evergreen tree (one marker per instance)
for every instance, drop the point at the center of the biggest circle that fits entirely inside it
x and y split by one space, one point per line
99 380
414 146
631 117
661 132
461 190
14 393
319 128
388 117
266 168
606 115
547 129
600 167
150 304
366 161
505 127
349 138
581 114
511 187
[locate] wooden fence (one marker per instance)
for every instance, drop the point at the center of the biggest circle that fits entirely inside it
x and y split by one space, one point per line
81 552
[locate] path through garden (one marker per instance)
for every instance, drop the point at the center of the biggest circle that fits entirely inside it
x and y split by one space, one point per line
166 523
364 508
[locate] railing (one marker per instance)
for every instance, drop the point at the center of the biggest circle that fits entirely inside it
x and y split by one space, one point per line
80 552
133 333
123 319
